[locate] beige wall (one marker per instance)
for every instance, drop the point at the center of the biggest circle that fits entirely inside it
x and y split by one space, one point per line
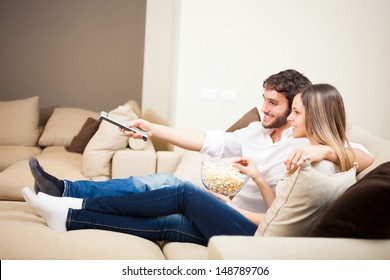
77 53
233 45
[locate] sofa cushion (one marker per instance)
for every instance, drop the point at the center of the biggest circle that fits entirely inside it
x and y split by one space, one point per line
363 211
55 160
184 251
189 167
251 116
25 235
302 199
11 154
80 141
379 148
63 125
19 122
100 149
137 144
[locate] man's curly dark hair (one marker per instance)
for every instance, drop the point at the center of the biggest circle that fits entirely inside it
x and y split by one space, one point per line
288 82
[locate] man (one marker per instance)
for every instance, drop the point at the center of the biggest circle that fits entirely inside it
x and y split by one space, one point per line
269 143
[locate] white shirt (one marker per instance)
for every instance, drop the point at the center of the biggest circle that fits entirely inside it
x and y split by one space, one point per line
255 142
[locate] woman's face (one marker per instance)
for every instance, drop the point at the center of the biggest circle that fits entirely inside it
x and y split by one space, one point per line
297 117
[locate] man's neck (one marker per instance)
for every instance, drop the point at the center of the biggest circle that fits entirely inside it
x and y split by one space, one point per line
276 134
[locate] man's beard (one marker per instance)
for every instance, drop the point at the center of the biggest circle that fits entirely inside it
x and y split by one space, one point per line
278 122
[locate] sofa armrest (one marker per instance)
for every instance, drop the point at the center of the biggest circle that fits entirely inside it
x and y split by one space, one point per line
300 248
128 162
167 161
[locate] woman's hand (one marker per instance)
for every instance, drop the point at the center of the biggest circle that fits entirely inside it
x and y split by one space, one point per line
221 197
248 167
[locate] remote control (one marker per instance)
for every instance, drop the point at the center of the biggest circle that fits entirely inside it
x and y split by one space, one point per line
105 116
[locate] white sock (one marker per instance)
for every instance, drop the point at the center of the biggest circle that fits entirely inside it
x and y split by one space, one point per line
70 202
53 209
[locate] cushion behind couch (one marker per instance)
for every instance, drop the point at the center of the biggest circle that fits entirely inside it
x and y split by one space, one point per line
363 211
19 122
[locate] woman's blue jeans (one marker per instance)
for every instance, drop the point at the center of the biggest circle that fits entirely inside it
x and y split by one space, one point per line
183 213
116 187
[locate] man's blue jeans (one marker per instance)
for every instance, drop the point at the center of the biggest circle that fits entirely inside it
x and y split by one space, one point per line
116 187
183 213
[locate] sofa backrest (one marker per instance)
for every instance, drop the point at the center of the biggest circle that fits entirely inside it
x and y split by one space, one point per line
378 147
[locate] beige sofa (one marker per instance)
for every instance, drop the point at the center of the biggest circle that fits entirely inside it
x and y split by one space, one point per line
283 248
24 235
108 154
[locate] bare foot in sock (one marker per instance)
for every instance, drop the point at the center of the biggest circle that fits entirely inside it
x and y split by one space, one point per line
44 182
53 209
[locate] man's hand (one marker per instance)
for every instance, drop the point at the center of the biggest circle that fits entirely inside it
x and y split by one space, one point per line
140 123
315 153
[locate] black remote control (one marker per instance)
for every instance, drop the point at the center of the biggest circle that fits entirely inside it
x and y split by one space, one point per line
105 116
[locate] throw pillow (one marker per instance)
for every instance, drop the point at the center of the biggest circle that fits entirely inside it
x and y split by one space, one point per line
303 197
251 116
80 141
189 167
19 122
107 140
137 144
363 211
63 125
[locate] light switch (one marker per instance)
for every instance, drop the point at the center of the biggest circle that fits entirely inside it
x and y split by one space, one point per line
228 95
209 94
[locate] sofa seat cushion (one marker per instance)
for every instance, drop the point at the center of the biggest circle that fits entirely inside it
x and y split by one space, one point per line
12 154
55 160
17 219
184 251
296 248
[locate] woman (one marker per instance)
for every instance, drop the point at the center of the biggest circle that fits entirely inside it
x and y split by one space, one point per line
317 113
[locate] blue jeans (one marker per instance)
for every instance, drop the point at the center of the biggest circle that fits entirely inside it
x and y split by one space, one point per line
183 213
116 187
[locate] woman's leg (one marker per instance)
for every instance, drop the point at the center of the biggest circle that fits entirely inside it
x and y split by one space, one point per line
59 211
210 215
175 227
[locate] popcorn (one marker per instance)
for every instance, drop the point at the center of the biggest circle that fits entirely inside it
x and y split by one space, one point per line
222 177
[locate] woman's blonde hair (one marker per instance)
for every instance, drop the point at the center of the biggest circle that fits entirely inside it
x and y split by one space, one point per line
325 120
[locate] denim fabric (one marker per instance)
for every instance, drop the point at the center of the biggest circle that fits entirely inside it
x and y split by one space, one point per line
117 187
183 213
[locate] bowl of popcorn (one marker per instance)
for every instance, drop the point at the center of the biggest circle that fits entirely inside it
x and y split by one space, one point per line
222 177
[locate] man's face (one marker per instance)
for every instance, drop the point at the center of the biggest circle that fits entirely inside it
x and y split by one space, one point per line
275 109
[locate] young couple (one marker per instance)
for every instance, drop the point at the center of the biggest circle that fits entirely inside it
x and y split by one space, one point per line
300 120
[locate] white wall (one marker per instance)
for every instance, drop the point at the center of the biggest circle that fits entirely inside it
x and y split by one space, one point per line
234 45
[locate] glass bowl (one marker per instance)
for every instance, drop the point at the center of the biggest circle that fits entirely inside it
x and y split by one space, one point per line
222 177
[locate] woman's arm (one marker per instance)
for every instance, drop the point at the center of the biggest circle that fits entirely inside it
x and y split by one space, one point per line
248 167
254 217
